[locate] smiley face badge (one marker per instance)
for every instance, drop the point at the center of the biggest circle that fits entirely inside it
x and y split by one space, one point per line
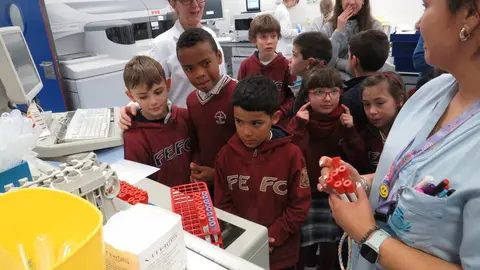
384 191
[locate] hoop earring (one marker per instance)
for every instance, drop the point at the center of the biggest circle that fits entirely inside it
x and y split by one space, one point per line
464 35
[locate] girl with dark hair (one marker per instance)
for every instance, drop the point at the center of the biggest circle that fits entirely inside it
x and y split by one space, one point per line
349 18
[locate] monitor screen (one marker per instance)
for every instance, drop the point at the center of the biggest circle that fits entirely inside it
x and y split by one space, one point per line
26 70
253 5
213 10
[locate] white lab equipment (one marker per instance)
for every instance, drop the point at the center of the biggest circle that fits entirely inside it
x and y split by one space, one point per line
95 39
245 242
88 178
242 24
18 75
285 44
19 82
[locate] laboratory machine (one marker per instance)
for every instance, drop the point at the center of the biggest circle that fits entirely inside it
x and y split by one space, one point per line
61 133
95 39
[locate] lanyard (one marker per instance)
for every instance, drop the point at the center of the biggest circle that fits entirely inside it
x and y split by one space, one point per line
386 199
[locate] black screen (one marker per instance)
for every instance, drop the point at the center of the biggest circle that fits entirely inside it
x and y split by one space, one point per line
243 24
213 10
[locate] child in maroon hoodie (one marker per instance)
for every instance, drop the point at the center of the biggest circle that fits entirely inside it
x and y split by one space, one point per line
323 127
210 105
159 134
264 32
261 175
383 96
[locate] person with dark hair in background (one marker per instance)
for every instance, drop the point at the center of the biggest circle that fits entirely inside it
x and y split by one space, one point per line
261 175
310 49
368 51
349 18
420 208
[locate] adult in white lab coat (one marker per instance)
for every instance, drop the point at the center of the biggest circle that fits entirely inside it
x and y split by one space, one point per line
286 29
326 8
164 50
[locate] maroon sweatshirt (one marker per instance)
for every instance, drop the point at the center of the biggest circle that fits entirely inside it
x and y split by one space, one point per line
212 120
269 186
374 146
167 146
279 72
324 135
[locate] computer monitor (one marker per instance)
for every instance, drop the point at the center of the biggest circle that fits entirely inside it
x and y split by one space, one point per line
18 73
213 10
253 5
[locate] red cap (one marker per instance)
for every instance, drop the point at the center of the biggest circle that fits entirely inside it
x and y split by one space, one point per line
349 186
336 162
343 172
339 187
330 181
446 181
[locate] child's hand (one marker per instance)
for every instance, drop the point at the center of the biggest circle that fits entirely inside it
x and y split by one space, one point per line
303 113
346 118
126 114
343 19
270 241
201 173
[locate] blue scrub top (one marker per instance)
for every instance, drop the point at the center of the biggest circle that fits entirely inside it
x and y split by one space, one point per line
447 227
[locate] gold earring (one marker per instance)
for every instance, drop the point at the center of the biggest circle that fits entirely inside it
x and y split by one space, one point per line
464 34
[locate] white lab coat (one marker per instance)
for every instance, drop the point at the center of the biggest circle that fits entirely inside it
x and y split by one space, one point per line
288 32
164 50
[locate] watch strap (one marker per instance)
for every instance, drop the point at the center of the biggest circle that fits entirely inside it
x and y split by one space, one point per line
376 239
368 234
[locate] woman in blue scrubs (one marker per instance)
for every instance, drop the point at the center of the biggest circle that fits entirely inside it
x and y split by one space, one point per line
396 224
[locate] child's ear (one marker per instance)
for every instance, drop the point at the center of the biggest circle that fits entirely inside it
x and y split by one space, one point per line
401 101
220 56
130 96
276 117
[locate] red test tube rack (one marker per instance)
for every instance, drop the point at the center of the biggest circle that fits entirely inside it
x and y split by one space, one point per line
193 203
132 194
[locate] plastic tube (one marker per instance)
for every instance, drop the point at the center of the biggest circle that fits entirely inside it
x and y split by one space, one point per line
44 258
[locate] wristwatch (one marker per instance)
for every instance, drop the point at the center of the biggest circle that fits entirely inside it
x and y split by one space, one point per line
370 249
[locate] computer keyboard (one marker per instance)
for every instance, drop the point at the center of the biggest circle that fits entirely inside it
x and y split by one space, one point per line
88 124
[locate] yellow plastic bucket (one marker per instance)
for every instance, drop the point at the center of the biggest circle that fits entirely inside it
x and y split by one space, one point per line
28 213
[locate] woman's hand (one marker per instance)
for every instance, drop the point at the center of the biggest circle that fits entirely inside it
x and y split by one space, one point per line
355 218
326 165
343 19
126 114
346 118
303 113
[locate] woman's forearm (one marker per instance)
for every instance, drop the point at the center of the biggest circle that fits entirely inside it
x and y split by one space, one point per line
398 256
369 178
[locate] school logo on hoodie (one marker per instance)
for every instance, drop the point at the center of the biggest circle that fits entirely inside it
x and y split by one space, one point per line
304 181
220 118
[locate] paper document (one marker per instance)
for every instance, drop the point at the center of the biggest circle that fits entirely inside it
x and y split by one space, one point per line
132 172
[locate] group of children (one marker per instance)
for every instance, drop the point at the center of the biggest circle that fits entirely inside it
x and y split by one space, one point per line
253 142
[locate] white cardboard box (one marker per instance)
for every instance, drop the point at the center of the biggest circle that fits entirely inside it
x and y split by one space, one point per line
144 237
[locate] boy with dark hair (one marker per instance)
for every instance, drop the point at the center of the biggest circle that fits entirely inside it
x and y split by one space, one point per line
368 52
310 49
264 32
261 175
159 134
210 105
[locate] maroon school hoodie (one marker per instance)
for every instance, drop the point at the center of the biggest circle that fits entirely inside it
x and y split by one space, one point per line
269 186
279 72
167 146
324 135
212 120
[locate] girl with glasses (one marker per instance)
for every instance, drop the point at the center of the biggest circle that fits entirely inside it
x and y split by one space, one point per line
323 125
